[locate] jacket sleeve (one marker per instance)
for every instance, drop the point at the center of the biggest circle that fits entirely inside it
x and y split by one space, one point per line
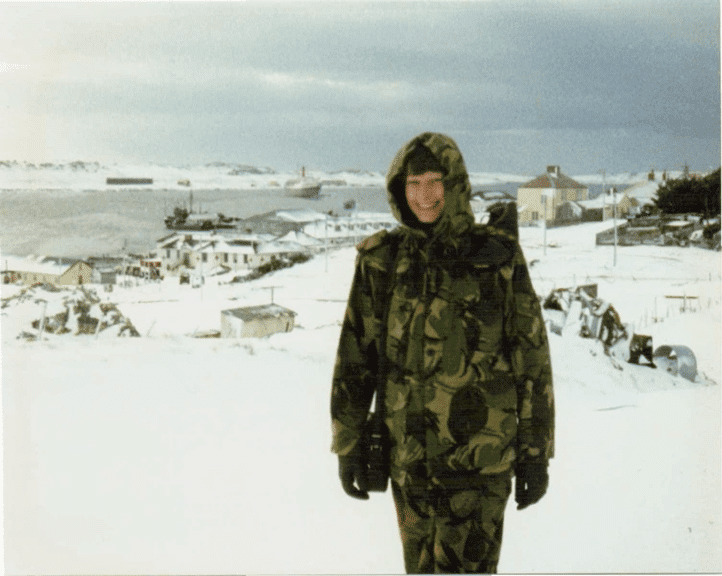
531 363
357 364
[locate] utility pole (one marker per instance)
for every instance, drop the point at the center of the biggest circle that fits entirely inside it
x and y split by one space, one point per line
325 240
546 194
544 222
272 289
614 208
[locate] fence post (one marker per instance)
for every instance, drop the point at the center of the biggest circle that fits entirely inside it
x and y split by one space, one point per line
42 320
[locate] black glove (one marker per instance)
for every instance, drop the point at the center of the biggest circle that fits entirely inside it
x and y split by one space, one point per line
532 480
352 468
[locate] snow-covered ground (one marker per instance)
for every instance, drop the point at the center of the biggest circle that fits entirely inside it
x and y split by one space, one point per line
173 454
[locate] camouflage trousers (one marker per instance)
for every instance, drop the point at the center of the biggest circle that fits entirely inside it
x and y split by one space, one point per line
453 532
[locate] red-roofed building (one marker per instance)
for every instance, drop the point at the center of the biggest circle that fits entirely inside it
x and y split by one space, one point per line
542 197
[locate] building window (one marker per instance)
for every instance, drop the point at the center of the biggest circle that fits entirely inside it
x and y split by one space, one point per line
535 215
204 256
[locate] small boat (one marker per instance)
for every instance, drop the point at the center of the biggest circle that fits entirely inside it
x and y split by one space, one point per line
187 219
182 219
303 187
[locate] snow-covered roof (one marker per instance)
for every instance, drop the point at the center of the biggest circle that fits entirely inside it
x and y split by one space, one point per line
678 224
300 215
170 243
229 243
224 247
35 265
372 217
549 180
576 206
645 191
276 247
181 235
300 238
250 313
590 204
602 200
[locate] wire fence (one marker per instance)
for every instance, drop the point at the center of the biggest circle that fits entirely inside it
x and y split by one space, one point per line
674 305
576 279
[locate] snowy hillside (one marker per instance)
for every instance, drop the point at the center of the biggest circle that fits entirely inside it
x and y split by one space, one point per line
80 175
92 175
168 453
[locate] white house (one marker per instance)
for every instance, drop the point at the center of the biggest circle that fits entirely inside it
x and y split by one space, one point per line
208 250
277 235
642 194
351 228
603 206
540 198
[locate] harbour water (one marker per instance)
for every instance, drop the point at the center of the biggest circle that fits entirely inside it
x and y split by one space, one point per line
81 223
77 223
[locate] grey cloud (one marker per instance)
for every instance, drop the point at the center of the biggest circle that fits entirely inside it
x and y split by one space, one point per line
359 78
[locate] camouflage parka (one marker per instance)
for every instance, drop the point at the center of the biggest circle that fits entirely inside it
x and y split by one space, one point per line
446 320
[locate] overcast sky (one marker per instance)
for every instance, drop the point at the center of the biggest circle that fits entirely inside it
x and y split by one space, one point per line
588 85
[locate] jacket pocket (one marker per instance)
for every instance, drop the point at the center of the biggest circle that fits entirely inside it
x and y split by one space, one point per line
528 320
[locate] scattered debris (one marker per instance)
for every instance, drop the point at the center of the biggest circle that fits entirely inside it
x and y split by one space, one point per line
581 312
677 360
685 230
641 347
207 334
73 311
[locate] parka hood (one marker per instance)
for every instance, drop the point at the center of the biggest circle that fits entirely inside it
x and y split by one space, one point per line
456 217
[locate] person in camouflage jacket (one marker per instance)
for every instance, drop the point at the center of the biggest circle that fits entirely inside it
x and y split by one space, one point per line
443 319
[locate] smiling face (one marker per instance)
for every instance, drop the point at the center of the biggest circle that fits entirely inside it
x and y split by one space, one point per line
425 195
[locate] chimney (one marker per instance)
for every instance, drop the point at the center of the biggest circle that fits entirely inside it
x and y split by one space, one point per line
553 170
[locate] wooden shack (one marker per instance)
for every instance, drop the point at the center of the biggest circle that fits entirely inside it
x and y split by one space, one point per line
50 271
256 321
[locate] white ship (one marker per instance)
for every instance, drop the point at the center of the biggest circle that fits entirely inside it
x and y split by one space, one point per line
303 187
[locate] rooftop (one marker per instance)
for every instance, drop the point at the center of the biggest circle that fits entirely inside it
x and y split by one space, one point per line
553 178
249 313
